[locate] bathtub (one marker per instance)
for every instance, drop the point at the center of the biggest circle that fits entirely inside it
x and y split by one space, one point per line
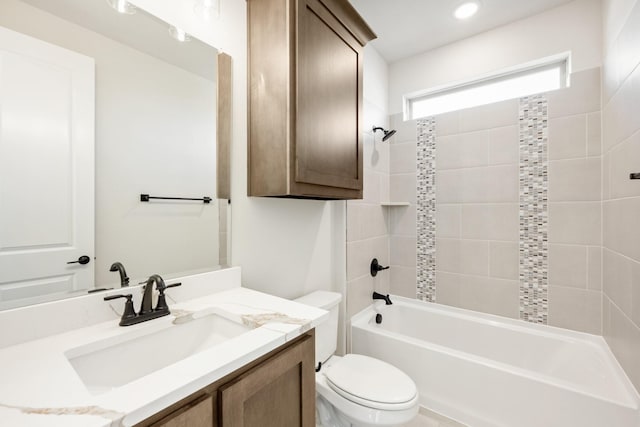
490 371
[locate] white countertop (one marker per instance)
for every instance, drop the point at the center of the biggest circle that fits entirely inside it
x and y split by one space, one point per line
39 386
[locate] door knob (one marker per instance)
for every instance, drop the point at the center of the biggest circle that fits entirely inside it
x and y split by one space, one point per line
82 260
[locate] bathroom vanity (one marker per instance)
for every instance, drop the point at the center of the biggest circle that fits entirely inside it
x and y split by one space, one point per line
276 390
226 355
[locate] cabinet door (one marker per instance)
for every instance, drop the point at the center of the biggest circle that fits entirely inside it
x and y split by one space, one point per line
279 392
200 413
328 142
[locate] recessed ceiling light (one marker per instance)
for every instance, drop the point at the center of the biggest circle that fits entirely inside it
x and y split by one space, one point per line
466 10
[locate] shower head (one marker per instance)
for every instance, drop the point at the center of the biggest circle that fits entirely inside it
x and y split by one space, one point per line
387 133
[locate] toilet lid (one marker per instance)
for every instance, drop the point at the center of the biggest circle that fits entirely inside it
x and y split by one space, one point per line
370 382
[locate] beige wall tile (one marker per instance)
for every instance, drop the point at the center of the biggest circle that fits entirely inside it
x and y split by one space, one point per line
491 221
489 116
575 223
504 145
448 123
625 159
403 157
358 295
624 339
582 97
568 265
448 288
606 176
575 180
402 188
371 189
448 186
620 226
405 131
403 251
402 221
619 121
594 134
568 137
576 309
618 284
448 255
504 260
494 296
474 257
501 184
361 252
594 265
494 184
448 220
462 150
635 293
403 281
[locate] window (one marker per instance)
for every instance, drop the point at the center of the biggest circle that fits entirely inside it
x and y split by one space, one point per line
542 76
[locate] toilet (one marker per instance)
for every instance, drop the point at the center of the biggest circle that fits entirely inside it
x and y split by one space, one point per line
356 390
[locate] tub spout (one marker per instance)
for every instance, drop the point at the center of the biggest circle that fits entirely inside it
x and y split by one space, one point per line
386 298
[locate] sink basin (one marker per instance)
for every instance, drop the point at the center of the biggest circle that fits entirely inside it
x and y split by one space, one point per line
106 365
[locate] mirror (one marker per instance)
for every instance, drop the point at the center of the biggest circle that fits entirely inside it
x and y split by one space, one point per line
97 108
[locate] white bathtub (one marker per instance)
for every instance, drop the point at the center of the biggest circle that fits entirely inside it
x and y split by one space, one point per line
489 371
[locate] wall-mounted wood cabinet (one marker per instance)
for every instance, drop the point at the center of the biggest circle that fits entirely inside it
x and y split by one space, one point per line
305 98
276 390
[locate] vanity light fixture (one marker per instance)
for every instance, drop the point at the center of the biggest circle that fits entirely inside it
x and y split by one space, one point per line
466 10
179 34
122 6
207 9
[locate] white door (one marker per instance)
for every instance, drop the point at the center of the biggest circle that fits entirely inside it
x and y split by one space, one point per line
46 169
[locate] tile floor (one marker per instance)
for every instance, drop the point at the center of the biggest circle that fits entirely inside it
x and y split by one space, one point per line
427 418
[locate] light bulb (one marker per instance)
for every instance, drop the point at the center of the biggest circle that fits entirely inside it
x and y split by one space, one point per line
466 10
207 9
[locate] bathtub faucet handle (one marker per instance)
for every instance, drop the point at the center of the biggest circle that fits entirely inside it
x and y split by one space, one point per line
375 267
385 298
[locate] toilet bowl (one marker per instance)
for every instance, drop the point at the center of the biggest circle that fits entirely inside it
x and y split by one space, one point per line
356 390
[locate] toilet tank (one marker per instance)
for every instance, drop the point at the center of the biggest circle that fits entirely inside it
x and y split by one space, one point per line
327 332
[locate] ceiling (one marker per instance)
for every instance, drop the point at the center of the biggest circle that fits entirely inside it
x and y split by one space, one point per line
408 27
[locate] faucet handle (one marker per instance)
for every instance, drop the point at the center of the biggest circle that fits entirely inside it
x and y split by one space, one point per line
129 311
110 297
162 301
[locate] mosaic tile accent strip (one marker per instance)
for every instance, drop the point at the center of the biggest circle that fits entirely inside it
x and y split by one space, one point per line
426 210
534 213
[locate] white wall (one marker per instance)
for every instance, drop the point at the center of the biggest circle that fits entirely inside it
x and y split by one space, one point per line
574 27
285 247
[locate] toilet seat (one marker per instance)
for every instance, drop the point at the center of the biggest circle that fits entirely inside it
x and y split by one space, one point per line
371 382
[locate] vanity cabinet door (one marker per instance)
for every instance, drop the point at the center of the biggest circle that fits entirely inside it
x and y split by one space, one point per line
279 392
200 413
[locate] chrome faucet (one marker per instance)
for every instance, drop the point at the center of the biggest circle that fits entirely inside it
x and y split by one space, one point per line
124 280
147 312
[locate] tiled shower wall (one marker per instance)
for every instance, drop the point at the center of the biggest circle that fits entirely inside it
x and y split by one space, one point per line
477 215
621 196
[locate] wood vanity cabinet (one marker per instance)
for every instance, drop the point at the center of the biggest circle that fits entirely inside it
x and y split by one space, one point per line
276 390
305 98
